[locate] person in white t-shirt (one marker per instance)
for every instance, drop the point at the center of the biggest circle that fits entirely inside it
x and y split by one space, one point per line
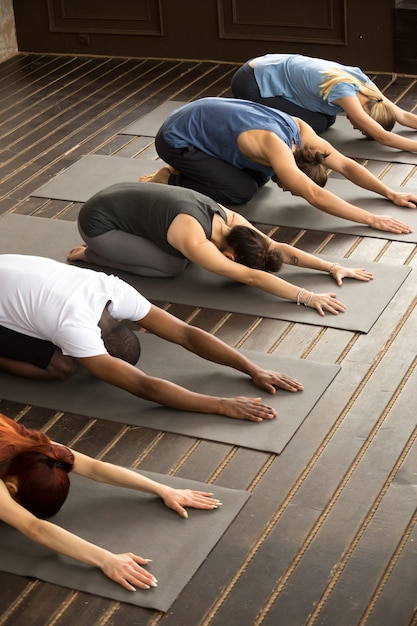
55 317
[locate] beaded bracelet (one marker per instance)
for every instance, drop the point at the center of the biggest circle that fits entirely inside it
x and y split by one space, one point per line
300 295
331 268
309 299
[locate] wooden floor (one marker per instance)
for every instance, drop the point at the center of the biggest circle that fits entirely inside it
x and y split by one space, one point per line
329 534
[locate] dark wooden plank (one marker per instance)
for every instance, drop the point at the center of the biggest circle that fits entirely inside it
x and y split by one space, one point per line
274 563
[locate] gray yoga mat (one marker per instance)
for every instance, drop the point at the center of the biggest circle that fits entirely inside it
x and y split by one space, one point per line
149 124
123 520
197 287
352 143
271 205
86 395
91 174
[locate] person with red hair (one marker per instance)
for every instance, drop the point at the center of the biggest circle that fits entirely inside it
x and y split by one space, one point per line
34 484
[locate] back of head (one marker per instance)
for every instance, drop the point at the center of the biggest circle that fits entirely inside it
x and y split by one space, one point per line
379 110
252 249
119 340
312 165
39 466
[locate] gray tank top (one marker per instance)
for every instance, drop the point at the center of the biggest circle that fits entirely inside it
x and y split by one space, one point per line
146 210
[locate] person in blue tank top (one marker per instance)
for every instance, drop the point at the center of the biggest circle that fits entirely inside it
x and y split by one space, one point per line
151 229
227 148
317 90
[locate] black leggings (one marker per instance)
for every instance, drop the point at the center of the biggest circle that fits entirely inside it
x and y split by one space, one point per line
244 86
20 347
213 177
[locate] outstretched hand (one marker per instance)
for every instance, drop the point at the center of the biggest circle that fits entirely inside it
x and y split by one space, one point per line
389 224
269 380
323 302
339 273
250 409
126 570
177 499
408 200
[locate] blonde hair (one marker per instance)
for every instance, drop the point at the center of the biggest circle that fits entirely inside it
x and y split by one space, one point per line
379 110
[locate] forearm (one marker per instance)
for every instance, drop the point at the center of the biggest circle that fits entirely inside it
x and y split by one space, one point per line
133 380
23 369
362 177
60 540
176 397
406 118
111 474
212 349
393 140
294 256
329 203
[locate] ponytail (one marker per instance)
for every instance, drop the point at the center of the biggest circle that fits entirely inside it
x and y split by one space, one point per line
379 110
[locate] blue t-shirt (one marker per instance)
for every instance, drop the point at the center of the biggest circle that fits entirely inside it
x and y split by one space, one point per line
298 79
213 125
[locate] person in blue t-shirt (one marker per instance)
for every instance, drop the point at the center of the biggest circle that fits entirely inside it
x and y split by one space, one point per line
227 148
316 90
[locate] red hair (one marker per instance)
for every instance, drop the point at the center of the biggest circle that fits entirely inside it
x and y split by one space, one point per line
40 467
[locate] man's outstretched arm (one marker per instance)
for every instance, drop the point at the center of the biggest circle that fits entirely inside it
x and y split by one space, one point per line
207 346
131 379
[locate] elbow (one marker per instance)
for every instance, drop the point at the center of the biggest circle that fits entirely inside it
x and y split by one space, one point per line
381 136
314 196
36 530
149 389
254 278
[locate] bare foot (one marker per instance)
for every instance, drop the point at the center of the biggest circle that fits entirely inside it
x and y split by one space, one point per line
160 176
78 253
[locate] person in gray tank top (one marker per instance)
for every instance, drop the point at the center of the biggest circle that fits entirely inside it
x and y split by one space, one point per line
153 229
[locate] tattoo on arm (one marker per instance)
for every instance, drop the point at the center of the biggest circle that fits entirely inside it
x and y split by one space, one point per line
294 260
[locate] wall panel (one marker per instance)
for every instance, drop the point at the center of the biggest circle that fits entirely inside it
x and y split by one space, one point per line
223 30
128 17
322 21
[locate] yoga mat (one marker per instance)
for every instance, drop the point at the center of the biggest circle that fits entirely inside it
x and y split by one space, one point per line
85 395
271 205
123 520
197 287
149 124
352 143
91 174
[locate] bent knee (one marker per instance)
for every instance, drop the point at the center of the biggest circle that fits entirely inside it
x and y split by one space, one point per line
240 197
61 367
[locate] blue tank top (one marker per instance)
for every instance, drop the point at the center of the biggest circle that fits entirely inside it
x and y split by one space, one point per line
298 78
213 125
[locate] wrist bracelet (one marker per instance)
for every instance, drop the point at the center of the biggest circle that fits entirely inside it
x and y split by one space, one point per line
300 295
331 268
309 299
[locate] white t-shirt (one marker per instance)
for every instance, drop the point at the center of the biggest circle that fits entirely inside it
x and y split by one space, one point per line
63 303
